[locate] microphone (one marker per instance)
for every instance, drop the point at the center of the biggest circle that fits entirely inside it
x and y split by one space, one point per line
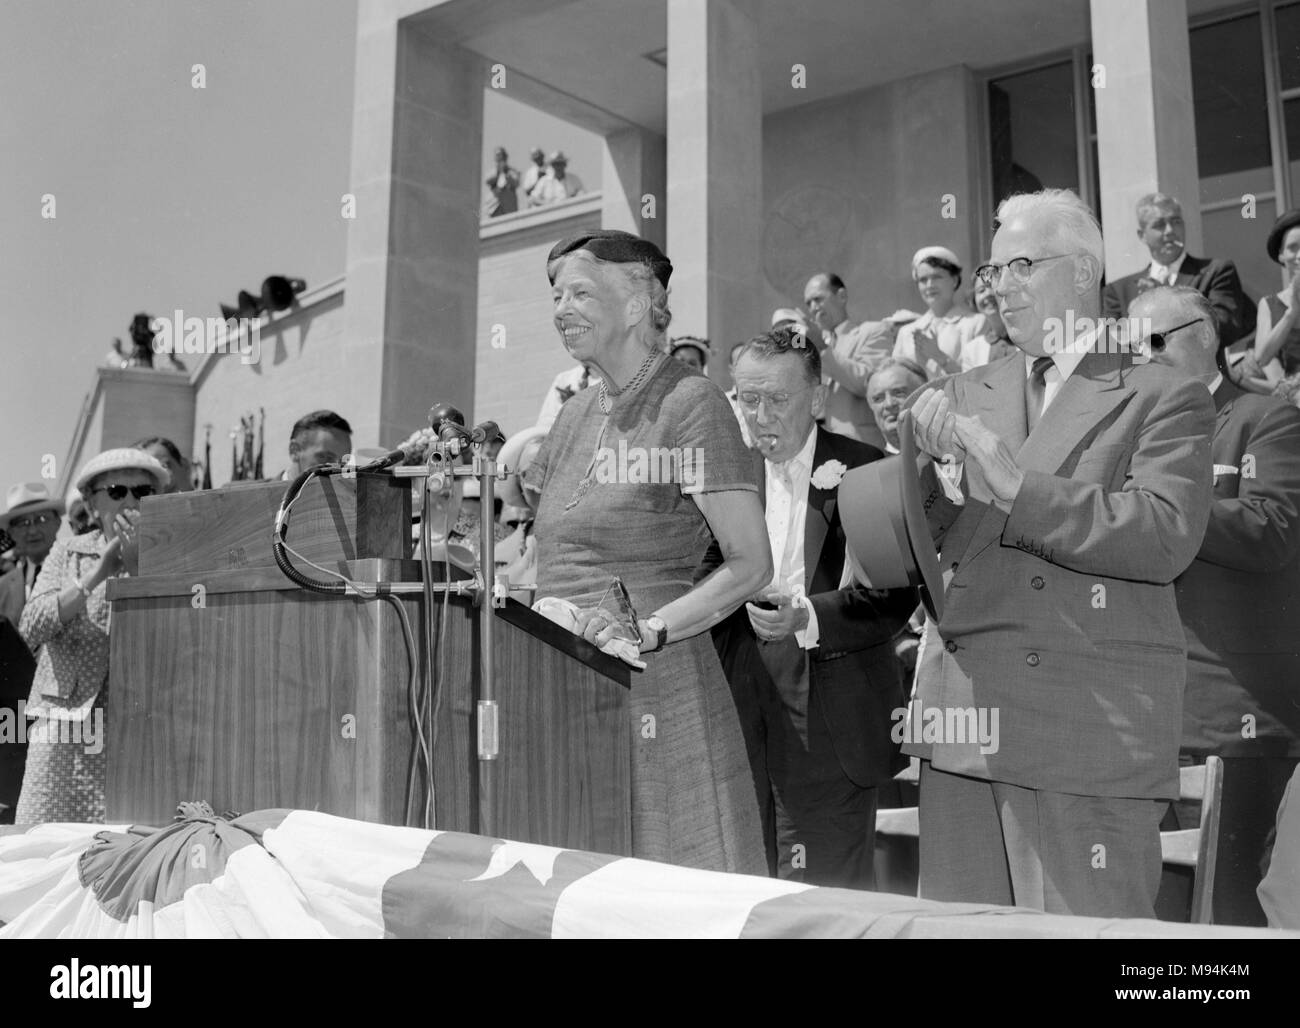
399 456
447 421
485 432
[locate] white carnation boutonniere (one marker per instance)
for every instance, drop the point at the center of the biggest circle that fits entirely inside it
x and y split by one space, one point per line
827 477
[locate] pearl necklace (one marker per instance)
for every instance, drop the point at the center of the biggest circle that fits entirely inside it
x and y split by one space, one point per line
606 390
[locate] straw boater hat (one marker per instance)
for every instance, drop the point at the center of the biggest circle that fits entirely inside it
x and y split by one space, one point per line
885 527
122 459
28 498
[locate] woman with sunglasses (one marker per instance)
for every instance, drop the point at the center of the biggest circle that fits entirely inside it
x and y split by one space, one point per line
67 617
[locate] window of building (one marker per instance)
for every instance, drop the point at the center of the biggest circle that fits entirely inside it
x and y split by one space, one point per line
1234 153
1033 139
1246 95
1287 35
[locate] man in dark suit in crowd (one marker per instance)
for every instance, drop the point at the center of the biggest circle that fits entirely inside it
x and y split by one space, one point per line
1075 488
811 663
1161 229
1239 602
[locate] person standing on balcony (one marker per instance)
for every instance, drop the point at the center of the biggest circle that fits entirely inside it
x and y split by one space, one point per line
534 172
503 182
557 184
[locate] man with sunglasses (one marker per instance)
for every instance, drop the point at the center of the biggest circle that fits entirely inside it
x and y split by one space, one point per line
1238 602
1074 489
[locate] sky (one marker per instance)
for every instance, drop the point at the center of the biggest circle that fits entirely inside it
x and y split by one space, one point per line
169 196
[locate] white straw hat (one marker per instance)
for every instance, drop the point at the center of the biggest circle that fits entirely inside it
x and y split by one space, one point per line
122 459
28 498
942 252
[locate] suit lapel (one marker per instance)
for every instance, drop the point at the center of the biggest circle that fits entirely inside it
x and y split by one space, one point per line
1188 270
1000 400
1223 397
1085 398
1000 403
1088 396
821 508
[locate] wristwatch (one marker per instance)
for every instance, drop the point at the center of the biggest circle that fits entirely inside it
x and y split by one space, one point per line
657 625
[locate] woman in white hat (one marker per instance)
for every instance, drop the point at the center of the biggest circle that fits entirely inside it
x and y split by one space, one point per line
943 340
67 617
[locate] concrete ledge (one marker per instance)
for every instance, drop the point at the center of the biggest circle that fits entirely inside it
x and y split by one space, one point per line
277 321
533 217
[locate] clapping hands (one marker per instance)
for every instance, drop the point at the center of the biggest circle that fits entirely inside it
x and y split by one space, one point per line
950 437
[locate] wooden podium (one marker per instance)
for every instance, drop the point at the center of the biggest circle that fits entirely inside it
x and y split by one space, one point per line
229 683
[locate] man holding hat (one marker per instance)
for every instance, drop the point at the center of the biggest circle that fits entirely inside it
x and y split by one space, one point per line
1073 487
32 518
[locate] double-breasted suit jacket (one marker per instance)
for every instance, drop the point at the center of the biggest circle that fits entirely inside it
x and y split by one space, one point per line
1060 615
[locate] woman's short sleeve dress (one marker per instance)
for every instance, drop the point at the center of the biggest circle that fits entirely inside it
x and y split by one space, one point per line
616 499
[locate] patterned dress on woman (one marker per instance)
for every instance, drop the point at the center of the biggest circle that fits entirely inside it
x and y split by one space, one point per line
692 793
66 767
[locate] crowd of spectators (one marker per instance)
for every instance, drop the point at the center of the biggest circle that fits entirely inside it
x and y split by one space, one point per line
546 180
859 375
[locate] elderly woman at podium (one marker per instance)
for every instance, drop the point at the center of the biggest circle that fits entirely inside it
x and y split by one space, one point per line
66 624
636 477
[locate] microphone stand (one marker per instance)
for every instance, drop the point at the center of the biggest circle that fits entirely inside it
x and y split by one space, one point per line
488 592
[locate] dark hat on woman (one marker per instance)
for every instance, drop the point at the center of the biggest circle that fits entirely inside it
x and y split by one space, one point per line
617 247
1278 232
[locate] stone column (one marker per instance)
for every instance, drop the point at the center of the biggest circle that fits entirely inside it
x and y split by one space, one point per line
632 169
1146 128
715 181
412 264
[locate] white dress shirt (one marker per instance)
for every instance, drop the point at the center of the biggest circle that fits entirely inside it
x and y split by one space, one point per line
787 514
1166 273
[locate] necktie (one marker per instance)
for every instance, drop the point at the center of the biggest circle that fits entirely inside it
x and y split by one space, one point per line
1036 390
